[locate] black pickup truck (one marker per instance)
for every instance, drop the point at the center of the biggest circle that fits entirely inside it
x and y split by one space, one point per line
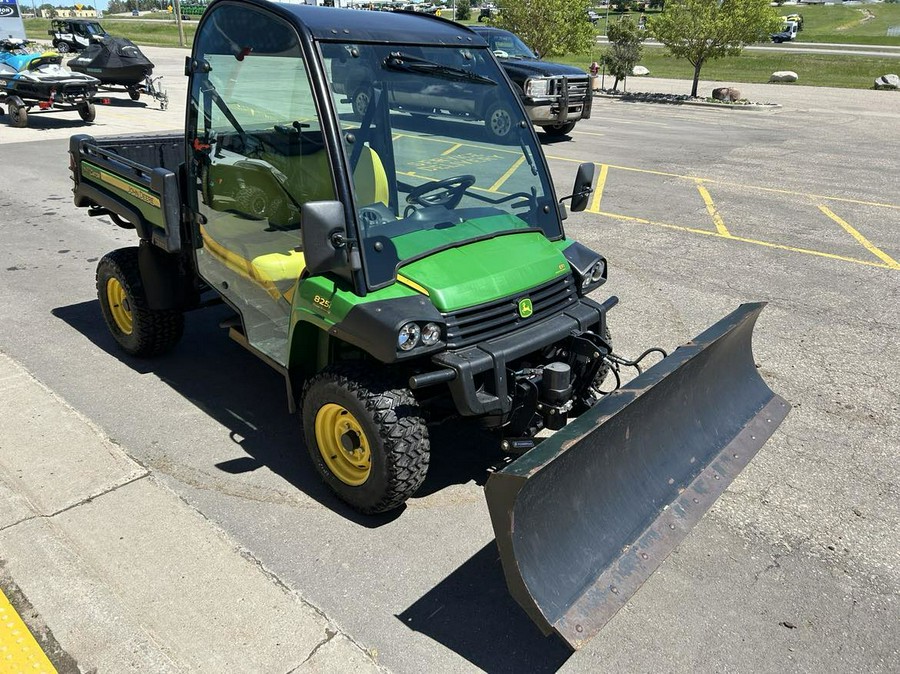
555 95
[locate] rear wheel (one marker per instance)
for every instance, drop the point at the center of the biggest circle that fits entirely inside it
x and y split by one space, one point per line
360 101
498 120
138 329
366 437
559 131
18 115
87 111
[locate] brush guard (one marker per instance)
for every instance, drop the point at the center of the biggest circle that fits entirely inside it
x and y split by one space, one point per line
584 518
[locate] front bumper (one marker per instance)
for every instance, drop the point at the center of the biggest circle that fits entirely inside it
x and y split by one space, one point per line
480 386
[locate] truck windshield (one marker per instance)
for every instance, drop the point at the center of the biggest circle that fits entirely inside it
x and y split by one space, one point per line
440 152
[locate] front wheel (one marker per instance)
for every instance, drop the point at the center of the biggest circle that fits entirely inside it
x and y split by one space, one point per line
87 111
62 47
360 102
559 131
365 436
139 330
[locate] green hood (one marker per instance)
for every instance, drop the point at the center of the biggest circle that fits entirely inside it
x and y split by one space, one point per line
487 270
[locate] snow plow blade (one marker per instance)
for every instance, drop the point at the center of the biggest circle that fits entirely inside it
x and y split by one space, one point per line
584 518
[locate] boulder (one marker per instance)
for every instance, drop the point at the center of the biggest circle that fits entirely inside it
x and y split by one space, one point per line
887 82
784 76
638 71
727 94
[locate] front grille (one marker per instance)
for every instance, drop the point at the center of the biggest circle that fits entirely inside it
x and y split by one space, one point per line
493 319
578 89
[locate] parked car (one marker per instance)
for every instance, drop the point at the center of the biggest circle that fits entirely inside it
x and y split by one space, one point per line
555 95
487 12
592 16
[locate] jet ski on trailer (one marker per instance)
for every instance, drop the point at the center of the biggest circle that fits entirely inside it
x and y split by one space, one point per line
118 63
33 78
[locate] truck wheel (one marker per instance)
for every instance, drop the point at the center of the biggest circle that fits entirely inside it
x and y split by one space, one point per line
18 115
87 111
366 438
559 131
498 120
360 102
139 330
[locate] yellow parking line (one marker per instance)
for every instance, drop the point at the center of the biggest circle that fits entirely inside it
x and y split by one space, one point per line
744 185
452 149
598 191
713 211
767 244
877 252
506 176
19 651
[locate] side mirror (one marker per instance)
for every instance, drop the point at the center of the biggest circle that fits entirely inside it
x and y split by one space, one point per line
582 190
324 236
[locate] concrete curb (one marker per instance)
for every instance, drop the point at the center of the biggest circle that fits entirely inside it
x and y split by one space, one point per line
751 107
123 574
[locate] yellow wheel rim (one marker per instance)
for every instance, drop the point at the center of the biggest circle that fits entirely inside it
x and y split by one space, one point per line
343 444
119 306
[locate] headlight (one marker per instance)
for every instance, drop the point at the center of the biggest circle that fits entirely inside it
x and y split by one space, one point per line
431 333
408 336
593 275
537 87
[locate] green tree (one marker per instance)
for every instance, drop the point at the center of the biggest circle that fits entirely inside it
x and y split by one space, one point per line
551 27
702 30
463 10
625 49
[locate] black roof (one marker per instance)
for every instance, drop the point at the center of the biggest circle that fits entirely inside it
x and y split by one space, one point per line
78 20
331 23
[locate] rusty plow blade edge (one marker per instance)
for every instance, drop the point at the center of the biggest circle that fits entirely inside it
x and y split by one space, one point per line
584 518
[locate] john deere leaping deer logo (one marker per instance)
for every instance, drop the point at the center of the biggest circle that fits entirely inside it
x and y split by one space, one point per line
525 307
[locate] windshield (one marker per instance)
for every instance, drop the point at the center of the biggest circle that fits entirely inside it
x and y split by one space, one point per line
439 149
507 45
93 29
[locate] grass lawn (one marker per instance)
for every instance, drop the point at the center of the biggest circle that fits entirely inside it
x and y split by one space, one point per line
142 33
834 23
832 70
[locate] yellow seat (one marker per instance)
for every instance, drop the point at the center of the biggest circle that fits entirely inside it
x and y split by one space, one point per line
270 257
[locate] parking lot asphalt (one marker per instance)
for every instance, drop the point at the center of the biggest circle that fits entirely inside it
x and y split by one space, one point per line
796 567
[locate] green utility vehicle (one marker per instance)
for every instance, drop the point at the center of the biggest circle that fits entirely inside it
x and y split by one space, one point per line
401 269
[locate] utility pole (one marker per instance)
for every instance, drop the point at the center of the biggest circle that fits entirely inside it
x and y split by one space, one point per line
178 22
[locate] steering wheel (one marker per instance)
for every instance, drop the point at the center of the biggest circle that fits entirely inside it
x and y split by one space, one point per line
449 192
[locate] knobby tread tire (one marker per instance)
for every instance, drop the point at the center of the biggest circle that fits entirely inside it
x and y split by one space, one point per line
153 332
390 416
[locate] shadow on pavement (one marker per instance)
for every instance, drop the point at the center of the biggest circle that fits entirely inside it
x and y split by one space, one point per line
249 399
471 613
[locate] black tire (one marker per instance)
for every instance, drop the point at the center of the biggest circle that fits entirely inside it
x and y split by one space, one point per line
498 120
87 111
62 47
360 102
602 373
150 332
18 115
559 131
134 94
393 428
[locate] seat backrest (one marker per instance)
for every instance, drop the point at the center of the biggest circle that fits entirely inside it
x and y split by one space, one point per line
370 179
